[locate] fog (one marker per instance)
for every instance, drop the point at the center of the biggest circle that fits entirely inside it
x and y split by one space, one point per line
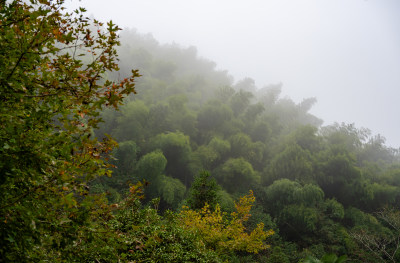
344 53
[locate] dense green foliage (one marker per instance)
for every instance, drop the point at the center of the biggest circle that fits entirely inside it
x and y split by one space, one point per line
51 91
189 137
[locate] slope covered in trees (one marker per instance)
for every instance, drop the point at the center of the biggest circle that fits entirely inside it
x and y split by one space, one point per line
318 187
206 169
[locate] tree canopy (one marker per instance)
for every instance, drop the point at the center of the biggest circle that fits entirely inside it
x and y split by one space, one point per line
71 193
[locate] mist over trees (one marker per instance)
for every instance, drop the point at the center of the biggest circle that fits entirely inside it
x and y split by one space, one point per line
207 169
314 185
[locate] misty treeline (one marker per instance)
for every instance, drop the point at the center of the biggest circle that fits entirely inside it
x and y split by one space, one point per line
206 169
322 189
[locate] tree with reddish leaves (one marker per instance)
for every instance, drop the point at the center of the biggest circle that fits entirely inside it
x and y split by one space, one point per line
53 69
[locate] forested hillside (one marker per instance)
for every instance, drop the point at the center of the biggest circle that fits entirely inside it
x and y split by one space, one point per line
322 189
207 168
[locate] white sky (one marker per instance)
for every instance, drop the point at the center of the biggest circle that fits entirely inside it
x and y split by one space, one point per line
346 53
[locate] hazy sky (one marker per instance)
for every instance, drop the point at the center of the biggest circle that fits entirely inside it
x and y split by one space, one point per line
346 53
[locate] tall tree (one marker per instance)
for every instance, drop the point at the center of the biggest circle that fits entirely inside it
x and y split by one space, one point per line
204 190
52 65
